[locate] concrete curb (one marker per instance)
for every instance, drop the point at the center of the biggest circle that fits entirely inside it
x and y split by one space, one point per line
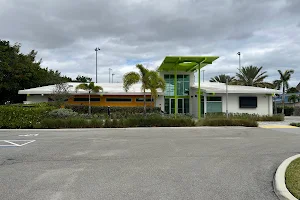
279 180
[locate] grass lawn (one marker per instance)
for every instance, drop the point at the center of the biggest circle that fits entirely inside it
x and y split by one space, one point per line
292 178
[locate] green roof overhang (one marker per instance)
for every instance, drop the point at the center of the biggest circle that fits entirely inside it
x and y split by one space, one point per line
185 63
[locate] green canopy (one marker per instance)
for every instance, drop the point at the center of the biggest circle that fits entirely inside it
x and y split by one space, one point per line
185 63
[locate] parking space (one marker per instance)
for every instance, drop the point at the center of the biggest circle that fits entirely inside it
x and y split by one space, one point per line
143 163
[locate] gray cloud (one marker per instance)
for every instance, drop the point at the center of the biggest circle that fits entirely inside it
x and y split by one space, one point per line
66 32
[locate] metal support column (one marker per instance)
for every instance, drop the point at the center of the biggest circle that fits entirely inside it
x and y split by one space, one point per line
199 93
175 89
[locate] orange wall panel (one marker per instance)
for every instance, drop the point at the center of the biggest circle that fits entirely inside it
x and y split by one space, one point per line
103 102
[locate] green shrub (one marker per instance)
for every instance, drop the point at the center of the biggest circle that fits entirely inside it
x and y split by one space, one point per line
227 122
116 112
159 121
53 123
62 113
22 117
295 124
255 117
288 110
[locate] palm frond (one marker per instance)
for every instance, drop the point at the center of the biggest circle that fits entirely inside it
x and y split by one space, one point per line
82 86
129 79
96 89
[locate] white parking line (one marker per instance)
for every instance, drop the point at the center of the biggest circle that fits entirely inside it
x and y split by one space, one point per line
15 143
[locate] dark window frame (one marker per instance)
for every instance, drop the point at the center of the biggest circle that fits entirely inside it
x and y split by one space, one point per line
86 99
244 104
117 99
142 99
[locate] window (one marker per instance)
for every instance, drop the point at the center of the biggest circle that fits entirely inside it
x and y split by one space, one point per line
213 98
248 102
118 99
86 99
183 85
142 100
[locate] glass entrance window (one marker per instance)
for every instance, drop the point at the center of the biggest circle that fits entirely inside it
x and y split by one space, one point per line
183 85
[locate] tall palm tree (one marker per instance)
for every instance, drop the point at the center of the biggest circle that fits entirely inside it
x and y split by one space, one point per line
252 76
222 78
155 82
294 98
283 82
133 77
90 87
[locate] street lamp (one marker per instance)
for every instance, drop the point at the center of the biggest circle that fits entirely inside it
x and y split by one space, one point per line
97 49
109 69
112 78
239 53
227 97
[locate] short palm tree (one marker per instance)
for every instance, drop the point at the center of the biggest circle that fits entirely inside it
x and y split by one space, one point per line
252 76
90 87
133 77
222 78
294 98
155 82
283 82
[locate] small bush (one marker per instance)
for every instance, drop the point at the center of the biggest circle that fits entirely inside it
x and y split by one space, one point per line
295 124
227 122
62 113
288 110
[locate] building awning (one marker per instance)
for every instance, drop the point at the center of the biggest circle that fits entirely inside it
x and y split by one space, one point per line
185 63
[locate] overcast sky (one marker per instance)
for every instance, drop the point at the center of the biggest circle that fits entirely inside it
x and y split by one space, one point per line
66 32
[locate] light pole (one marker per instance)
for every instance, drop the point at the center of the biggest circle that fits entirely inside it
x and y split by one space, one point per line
226 97
203 75
109 69
239 53
112 77
97 49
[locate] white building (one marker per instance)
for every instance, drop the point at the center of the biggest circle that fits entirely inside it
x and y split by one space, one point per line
181 94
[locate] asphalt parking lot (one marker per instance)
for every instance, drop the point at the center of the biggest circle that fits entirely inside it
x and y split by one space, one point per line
143 163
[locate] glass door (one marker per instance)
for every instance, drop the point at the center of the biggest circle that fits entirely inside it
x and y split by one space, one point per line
172 106
180 105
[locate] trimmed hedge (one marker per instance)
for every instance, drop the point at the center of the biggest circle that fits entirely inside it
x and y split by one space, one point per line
288 110
149 121
116 112
255 117
13 117
227 122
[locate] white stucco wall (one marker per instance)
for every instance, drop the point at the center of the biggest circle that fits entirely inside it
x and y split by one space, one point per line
160 102
37 98
264 104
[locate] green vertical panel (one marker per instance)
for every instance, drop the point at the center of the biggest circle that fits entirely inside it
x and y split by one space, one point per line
175 89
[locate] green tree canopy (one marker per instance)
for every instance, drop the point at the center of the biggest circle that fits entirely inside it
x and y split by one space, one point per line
19 71
90 88
83 79
292 90
252 76
222 78
283 82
